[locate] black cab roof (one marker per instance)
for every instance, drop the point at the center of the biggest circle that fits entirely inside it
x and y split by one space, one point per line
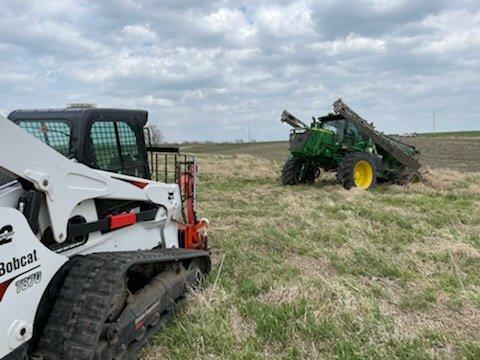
83 115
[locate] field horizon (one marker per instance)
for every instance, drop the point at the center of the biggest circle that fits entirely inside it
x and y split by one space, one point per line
456 152
459 133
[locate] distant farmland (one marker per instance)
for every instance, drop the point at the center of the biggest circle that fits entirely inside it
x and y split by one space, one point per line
470 133
458 150
275 150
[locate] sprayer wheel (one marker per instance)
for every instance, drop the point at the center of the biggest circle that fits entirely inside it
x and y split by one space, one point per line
296 171
358 169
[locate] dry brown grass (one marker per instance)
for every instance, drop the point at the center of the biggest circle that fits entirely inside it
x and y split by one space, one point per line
322 272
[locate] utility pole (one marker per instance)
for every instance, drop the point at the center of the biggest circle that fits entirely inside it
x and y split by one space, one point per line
249 136
434 120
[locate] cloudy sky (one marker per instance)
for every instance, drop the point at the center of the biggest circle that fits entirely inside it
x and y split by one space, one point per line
207 69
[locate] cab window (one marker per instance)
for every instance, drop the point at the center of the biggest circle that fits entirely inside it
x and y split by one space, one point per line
336 126
114 147
54 133
352 133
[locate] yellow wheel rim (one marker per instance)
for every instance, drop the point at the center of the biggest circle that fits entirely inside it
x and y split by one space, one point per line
363 174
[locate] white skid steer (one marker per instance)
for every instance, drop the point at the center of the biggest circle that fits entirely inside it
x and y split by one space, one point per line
94 254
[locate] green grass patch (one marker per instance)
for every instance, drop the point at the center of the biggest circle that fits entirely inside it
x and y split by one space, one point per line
324 273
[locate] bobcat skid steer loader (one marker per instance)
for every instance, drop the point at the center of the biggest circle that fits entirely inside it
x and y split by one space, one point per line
94 255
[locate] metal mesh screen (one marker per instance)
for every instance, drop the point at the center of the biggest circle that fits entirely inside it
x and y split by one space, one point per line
115 148
55 134
174 169
166 167
133 164
104 146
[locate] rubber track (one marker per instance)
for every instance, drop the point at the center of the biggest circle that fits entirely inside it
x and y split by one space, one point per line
76 322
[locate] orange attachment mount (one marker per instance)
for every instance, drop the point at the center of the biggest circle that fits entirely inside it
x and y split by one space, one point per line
194 231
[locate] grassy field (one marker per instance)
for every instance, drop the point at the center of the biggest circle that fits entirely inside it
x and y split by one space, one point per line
318 272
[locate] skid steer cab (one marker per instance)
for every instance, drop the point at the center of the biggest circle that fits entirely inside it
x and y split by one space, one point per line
99 235
117 141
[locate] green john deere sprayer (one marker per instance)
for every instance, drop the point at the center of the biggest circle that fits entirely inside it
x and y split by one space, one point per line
344 142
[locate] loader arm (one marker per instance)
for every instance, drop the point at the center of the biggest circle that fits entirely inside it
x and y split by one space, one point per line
93 261
66 183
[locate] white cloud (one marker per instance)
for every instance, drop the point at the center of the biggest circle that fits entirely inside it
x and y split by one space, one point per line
293 19
457 32
351 44
205 69
45 36
13 77
152 100
139 33
231 24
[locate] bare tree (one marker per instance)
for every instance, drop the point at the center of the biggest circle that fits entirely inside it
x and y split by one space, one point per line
156 135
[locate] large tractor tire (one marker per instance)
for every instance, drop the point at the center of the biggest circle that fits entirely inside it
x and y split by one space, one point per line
359 169
296 171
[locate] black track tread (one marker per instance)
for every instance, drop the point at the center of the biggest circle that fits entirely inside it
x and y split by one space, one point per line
84 303
345 169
